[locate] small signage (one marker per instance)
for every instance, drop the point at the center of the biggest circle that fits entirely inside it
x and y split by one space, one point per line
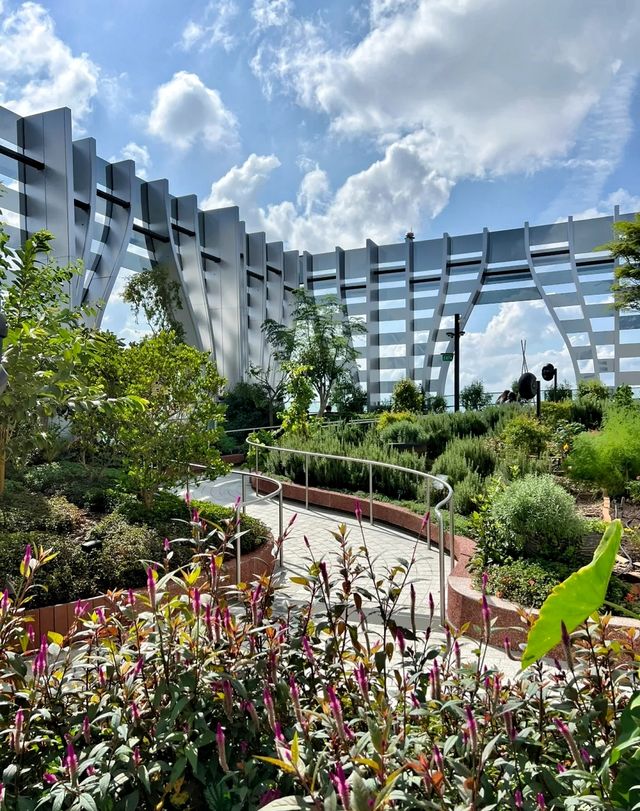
447 356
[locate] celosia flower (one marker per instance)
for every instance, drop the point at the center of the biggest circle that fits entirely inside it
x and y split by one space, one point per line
131 599
400 640
564 730
360 673
25 566
207 620
5 602
102 676
135 712
432 606
195 601
540 800
249 707
336 709
510 726
358 511
340 784
308 649
295 698
19 725
80 608
187 498
561 768
166 545
517 796
49 778
40 662
457 653
291 520
86 729
220 743
71 762
425 519
137 758
101 616
31 635
437 759
486 616
472 727
268 705
151 586
2 794
269 796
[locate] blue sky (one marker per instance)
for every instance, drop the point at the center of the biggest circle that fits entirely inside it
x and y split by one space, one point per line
331 122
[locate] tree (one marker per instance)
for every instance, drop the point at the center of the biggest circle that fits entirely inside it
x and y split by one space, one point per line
348 398
473 397
319 339
46 352
158 296
182 421
248 407
626 247
406 396
272 381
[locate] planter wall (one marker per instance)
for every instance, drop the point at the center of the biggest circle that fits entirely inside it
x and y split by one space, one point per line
60 618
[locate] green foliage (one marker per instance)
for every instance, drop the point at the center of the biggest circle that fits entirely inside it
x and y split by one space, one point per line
594 390
531 517
320 339
435 404
121 551
389 417
626 248
247 407
612 457
295 418
21 509
473 397
182 421
633 491
526 434
464 455
623 396
159 298
204 711
407 396
92 487
349 398
404 432
560 394
575 599
468 494
47 351
587 412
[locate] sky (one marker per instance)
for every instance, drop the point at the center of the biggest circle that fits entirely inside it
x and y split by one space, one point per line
330 123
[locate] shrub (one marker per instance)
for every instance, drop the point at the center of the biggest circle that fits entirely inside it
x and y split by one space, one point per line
559 394
389 417
526 434
468 494
593 390
537 518
83 485
435 404
23 510
406 432
633 491
612 457
473 397
406 396
463 456
623 396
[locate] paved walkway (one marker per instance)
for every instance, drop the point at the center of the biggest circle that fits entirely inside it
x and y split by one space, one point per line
386 546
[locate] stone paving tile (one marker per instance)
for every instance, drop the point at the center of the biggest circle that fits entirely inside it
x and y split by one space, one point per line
386 545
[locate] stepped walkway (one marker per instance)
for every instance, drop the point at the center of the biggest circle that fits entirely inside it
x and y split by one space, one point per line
386 546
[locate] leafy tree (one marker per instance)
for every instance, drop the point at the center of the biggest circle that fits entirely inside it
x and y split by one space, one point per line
435 404
273 383
348 398
626 248
406 396
473 397
593 390
182 421
158 296
319 339
247 406
295 418
557 395
46 353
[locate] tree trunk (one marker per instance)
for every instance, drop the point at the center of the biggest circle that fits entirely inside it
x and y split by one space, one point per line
147 498
3 459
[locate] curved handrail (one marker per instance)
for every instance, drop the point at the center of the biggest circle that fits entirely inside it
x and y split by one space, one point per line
430 479
242 505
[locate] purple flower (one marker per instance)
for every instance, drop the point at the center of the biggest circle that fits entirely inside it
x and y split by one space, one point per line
472 727
195 601
5 602
307 649
220 743
336 709
340 784
166 545
80 608
227 691
151 586
71 762
269 796
137 759
358 511
517 796
432 606
40 662
86 729
25 569
540 800
31 634
268 705
437 759
131 599
187 498
561 767
360 673
49 778
400 641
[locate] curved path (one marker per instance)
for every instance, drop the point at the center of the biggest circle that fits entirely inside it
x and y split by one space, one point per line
386 545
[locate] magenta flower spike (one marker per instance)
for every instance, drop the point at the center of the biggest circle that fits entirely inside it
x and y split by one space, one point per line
540 801
49 778
517 796
269 707
71 762
308 649
358 511
336 708
151 586
80 608
5 602
187 498
472 727
102 619
166 545
425 519
220 743
400 641
26 561
17 736
292 520
196 601
340 784
31 634
86 729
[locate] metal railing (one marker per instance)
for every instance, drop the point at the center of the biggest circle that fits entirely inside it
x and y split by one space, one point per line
432 482
242 505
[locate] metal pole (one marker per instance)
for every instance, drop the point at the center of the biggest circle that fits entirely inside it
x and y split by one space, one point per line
428 524
257 469
538 405
452 534
306 482
238 556
370 493
243 492
281 526
443 597
456 363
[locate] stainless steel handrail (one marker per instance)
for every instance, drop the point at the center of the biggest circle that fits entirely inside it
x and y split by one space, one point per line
429 478
242 505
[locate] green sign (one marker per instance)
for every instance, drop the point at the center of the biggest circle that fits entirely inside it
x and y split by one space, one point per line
447 356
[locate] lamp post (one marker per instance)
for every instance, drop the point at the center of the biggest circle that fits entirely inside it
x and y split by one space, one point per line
4 331
456 335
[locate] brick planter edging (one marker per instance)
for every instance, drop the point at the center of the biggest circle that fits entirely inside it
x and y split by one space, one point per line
60 618
464 603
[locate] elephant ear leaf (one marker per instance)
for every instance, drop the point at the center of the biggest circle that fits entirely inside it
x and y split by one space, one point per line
575 599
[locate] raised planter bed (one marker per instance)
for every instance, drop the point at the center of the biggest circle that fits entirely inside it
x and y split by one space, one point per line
59 618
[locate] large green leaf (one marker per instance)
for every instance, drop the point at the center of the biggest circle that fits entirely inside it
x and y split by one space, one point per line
575 599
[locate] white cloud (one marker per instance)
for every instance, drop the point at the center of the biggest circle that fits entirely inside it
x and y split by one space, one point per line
380 202
38 71
488 85
214 29
185 111
137 153
628 203
269 13
494 356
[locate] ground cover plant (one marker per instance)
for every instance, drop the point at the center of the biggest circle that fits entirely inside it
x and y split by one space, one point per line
196 696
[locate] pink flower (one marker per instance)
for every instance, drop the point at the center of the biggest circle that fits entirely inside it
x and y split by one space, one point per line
5 602
336 710
40 662
86 729
137 759
151 586
308 649
437 759
71 762
517 796
31 635
49 778
540 800
187 498
19 724
166 545
80 608
195 601
360 673
472 727
358 511
220 742
340 784
269 707
400 641
25 569
101 616
269 796
135 712
131 599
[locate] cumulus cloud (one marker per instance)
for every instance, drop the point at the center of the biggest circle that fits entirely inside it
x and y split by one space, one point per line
185 111
493 354
269 13
213 29
381 201
38 71
137 153
628 203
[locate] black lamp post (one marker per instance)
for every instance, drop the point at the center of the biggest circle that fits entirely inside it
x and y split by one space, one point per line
4 331
456 335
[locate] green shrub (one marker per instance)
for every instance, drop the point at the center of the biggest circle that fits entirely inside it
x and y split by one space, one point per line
473 397
536 518
610 458
593 390
82 485
463 456
633 491
526 434
71 575
529 582
406 432
22 510
623 396
435 404
407 396
389 417
120 547
467 494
